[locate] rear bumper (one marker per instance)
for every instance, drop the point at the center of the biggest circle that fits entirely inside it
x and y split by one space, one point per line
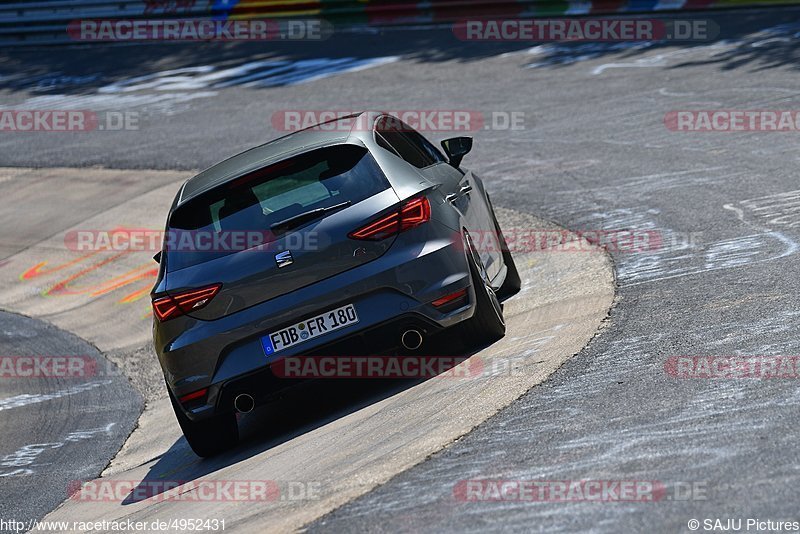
389 293
269 383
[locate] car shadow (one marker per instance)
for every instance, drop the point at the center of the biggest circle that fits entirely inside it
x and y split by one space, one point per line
302 409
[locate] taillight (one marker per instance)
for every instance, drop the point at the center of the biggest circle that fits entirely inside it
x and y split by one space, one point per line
172 306
412 213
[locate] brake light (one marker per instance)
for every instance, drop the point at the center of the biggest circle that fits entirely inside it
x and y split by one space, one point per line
260 173
172 306
412 213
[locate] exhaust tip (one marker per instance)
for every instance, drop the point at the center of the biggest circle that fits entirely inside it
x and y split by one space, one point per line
244 403
411 339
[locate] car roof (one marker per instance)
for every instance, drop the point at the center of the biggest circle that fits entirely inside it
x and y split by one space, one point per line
260 156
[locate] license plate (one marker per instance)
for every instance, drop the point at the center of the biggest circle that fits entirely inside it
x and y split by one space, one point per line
309 329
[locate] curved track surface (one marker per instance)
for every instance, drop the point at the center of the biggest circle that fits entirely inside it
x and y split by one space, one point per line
594 154
64 412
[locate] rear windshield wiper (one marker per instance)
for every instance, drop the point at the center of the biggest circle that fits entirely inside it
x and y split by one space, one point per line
285 225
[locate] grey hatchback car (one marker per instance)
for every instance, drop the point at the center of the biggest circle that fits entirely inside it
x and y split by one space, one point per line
356 234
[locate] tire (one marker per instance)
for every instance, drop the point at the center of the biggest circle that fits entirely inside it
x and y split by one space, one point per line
486 324
513 283
207 437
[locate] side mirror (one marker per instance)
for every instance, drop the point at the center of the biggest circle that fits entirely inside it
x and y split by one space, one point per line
456 148
157 257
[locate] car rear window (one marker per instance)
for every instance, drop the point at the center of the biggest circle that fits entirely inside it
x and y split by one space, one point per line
238 214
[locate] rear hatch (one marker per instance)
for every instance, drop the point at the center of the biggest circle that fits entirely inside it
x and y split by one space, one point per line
277 229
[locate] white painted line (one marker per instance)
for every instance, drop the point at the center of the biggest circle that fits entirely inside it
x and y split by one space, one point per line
26 399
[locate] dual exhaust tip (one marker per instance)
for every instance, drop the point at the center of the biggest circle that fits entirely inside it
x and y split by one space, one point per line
244 403
410 339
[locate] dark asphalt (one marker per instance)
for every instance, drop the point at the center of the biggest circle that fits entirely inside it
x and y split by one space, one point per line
60 426
595 154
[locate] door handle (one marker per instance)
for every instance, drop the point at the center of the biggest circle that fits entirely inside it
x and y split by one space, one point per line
465 190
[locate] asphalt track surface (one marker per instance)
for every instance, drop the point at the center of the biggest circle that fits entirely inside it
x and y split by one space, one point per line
594 154
57 427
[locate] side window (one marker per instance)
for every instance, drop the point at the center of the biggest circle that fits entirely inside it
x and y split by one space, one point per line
418 139
383 143
406 142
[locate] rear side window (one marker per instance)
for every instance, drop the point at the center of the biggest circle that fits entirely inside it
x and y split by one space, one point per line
238 214
406 142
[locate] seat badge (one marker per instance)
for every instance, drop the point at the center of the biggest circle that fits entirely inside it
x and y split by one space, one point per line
284 259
